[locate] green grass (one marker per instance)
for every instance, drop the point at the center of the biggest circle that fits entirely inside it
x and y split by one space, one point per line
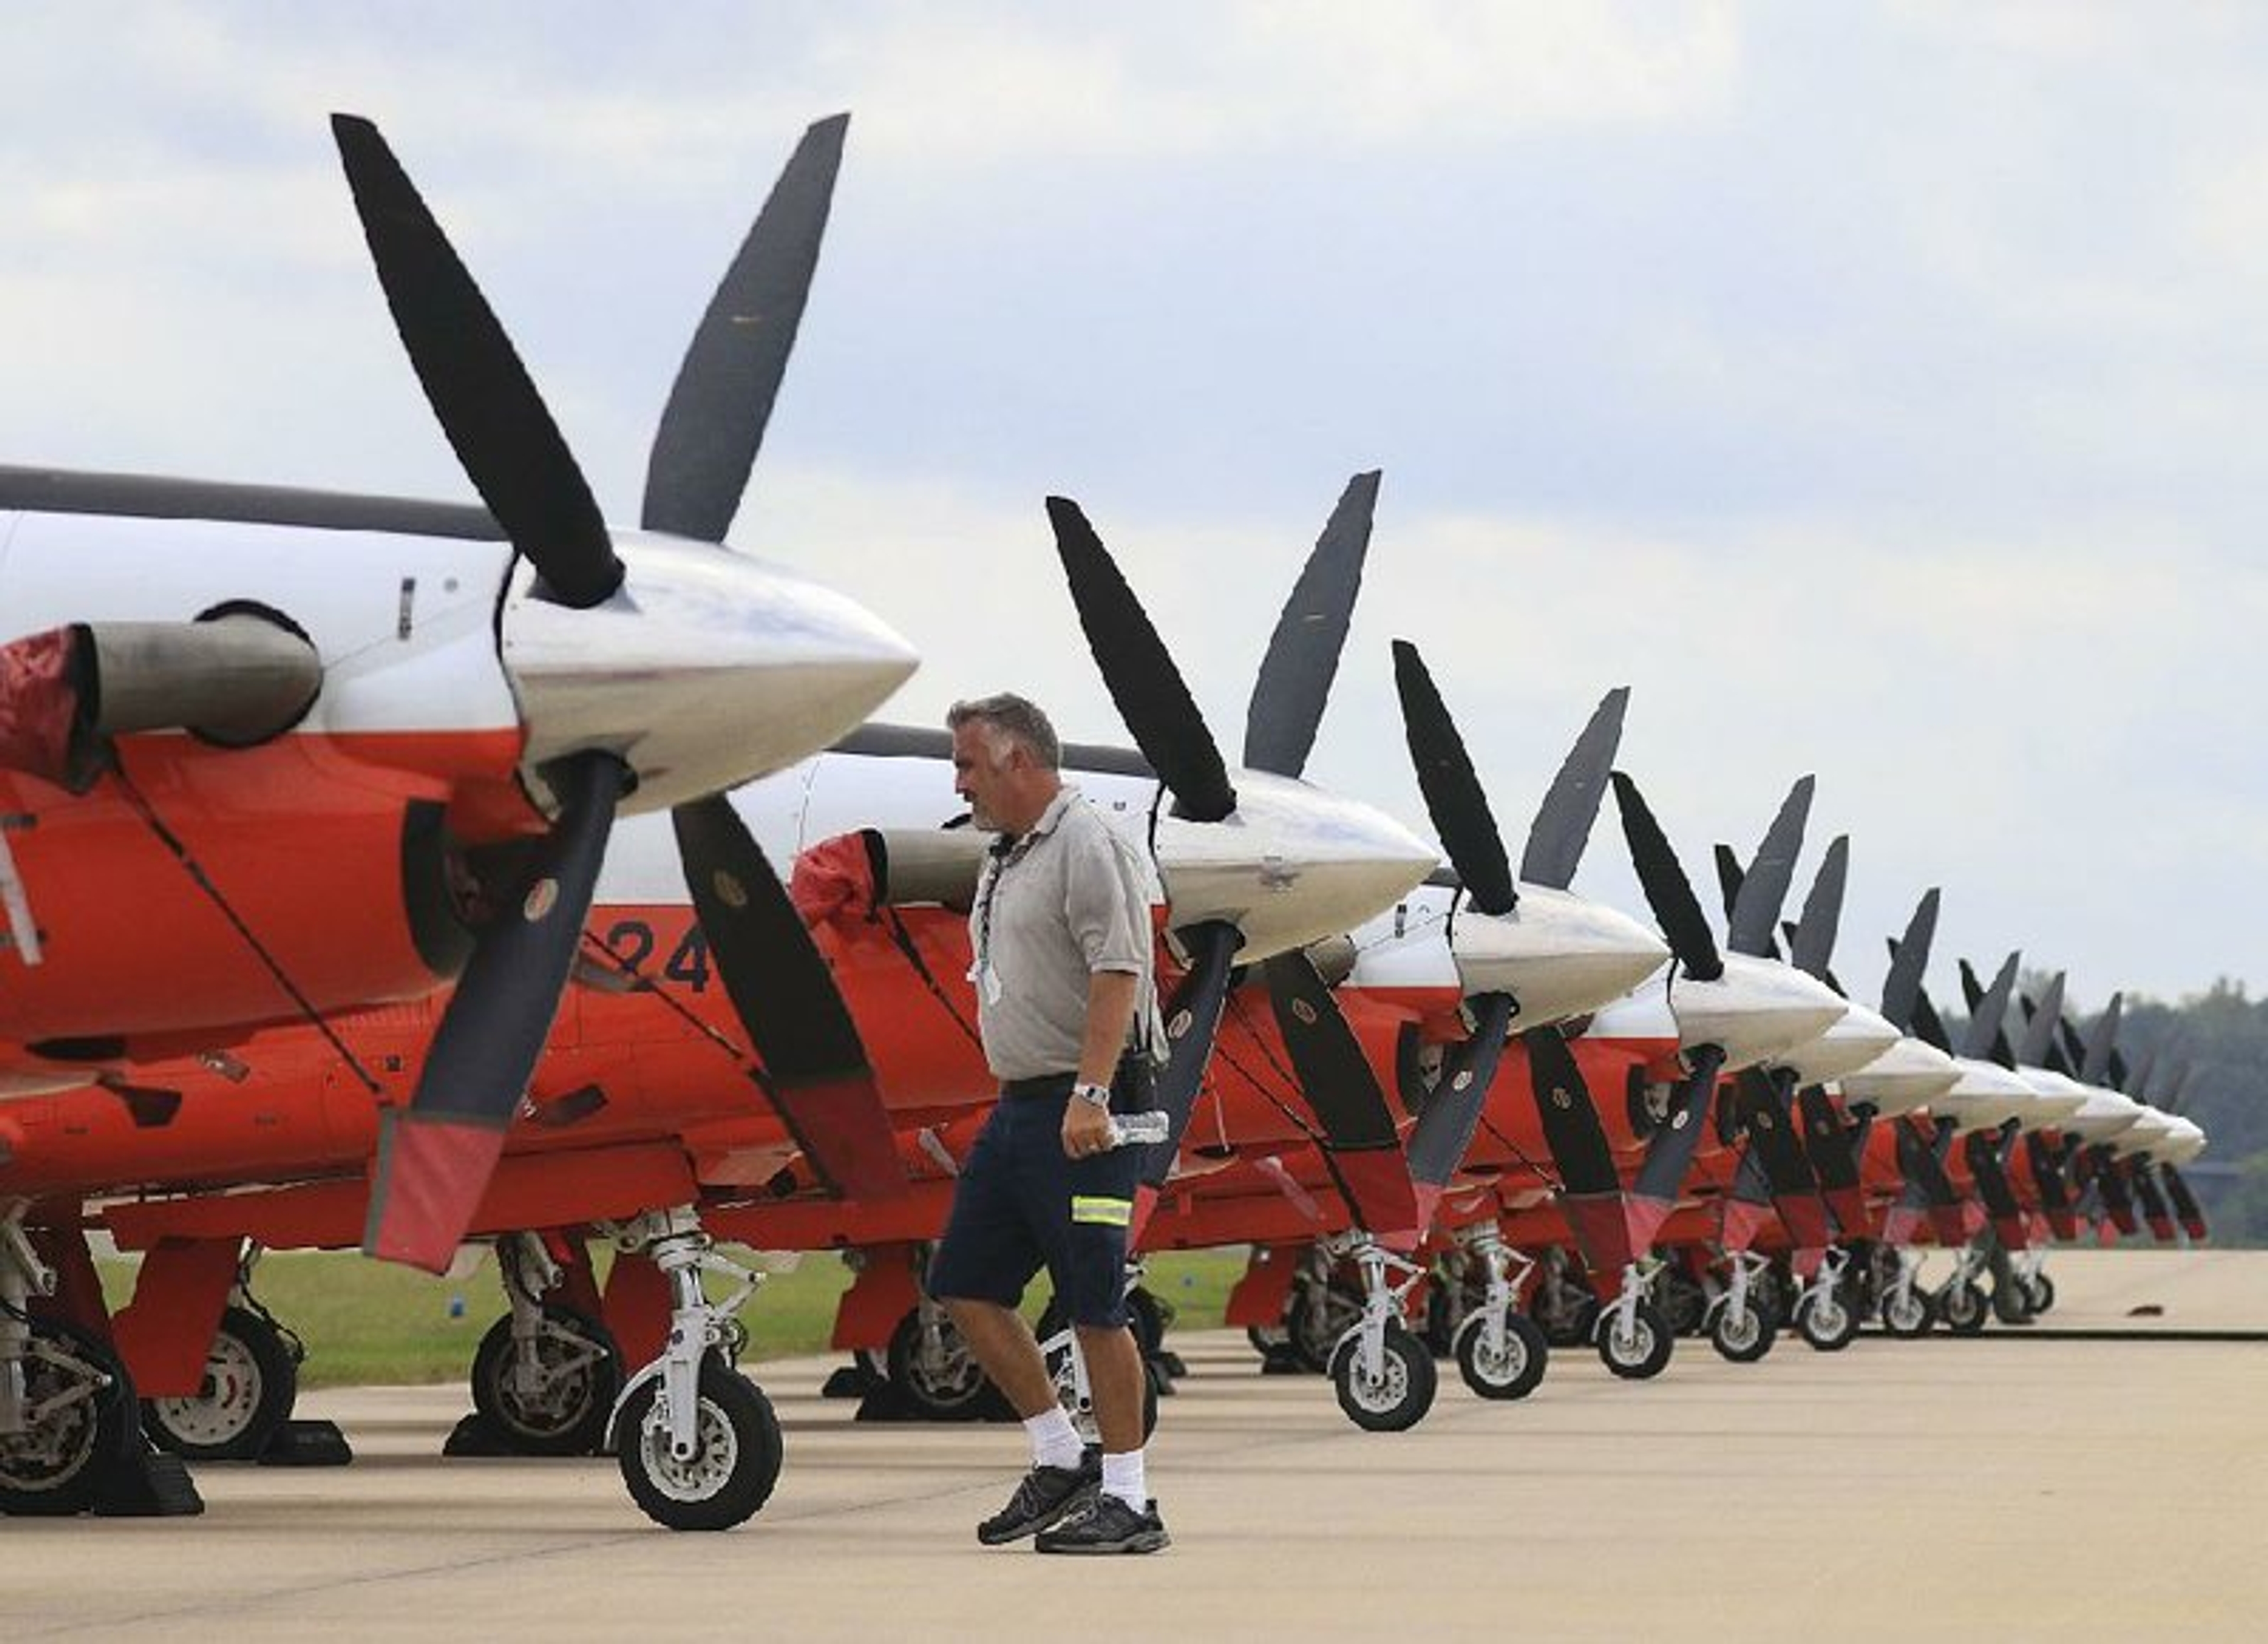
367 1322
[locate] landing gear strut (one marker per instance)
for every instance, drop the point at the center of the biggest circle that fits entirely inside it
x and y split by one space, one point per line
697 1442
1906 1307
1962 1302
1500 1353
546 1375
1739 1323
1823 1314
932 1367
1634 1337
1384 1375
66 1408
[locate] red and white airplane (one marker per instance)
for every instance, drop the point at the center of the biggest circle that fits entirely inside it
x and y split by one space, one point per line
270 754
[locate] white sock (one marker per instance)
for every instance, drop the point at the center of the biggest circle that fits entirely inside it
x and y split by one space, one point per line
1122 1477
1055 1442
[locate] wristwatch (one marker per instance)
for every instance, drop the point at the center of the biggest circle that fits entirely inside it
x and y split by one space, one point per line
1097 1094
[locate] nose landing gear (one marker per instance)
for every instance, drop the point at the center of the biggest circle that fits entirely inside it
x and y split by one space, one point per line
1500 1353
1741 1326
1384 1375
1633 1339
697 1442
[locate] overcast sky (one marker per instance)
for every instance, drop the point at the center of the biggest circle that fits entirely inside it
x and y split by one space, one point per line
1878 390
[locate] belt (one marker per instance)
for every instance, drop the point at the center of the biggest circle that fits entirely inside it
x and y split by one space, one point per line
1041 1085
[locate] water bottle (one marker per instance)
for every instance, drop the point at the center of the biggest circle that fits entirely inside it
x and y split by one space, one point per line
1138 1129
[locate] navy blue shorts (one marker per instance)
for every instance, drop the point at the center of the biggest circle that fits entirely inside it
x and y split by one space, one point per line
1021 1204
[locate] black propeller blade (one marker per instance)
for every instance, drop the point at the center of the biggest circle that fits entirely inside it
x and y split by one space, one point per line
2185 1201
815 1066
2102 1044
1562 828
1570 1117
1729 874
1765 886
1295 676
1192 1020
1928 1025
1669 1150
1453 1111
1909 959
1453 797
2040 1027
1987 1034
434 1157
1139 672
714 421
503 434
1812 948
1667 891
1338 1084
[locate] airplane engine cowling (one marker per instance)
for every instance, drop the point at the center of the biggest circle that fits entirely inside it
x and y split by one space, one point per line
238 679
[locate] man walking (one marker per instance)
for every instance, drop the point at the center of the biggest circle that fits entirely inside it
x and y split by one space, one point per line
1065 1006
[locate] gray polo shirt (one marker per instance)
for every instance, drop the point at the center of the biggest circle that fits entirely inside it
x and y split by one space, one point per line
1067 899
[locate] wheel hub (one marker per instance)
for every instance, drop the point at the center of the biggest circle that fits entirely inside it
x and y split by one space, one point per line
717 1451
225 1402
1384 1390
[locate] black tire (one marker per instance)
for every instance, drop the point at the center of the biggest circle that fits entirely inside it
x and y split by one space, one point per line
1082 1416
1514 1370
1829 1321
1267 1342
949 1385
59 1472
1908 1313
1573 1329
1644 1353
567 1417
732 1476
1744 1337
2042 1290
1683 1303
1964 1307
1401 1395
251 1382
1316 1318
1147 1317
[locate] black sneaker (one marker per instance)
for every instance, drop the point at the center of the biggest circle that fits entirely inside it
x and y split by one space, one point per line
1108 1526
1043 1496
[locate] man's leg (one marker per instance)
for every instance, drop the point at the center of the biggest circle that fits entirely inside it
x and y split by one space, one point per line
1115 1378
1005 1345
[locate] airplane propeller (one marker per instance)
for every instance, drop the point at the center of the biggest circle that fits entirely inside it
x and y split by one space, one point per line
1671 1149
1287 702
436 1153
1459 807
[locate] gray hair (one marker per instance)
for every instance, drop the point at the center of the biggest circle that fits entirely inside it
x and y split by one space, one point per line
1015 717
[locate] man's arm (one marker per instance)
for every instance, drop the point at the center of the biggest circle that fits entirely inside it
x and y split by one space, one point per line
1110 999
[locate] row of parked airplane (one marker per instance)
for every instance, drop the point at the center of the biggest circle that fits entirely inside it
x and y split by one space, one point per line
340 909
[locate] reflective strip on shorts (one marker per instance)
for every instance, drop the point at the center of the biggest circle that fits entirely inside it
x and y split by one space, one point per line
1098 1212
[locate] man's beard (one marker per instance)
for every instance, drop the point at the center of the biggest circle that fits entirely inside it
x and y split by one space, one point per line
984 821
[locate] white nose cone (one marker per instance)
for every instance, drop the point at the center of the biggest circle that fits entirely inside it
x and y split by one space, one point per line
1291 865
1910 1074
2104 1115
2150 1131
2186 1143
1986 1097
1757 1010
705 670
2055 1096
1559 955
1857 1041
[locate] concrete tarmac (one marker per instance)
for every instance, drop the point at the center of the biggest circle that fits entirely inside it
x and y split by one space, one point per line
2030 1487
